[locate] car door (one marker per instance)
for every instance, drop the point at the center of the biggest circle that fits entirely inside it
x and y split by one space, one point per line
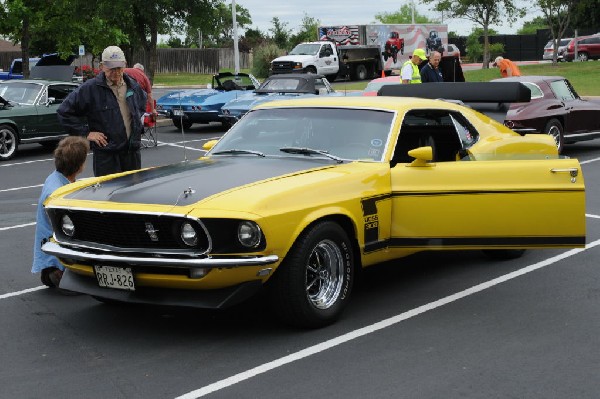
582 115
47 105
458 204
327 61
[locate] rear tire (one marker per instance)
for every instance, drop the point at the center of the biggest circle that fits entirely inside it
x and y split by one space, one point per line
9 142
555 129
178 124
360 72
312 286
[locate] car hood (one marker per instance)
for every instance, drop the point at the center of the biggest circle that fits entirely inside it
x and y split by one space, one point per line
187 96
294 58
190 182
248 102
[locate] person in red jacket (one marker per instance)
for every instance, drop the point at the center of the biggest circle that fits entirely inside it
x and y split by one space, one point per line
137 72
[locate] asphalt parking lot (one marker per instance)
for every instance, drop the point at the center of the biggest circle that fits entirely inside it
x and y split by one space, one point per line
433 325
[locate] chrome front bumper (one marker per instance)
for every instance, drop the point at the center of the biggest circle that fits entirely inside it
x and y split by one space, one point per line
82 254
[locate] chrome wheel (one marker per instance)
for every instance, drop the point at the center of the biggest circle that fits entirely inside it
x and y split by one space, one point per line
8 142
324 274
555 130
314 282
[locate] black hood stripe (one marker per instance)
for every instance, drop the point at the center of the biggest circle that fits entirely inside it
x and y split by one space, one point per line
166 185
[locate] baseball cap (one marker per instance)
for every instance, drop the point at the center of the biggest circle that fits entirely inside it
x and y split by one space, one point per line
113 57
420 53
497 60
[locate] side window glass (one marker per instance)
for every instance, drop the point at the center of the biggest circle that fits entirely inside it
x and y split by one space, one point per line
562 90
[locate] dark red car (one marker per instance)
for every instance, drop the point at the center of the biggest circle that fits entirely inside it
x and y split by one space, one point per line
555 109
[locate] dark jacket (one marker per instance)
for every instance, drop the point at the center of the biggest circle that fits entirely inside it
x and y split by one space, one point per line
430 75
451 69
94 107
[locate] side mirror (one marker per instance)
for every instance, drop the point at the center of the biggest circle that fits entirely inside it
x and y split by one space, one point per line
422 155
49 101
209 86
209 145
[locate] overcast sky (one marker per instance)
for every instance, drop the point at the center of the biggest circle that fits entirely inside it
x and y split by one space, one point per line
350 12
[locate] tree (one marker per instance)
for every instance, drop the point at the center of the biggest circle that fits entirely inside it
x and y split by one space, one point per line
531 27
281 35
482 12
403 16
558 15
307 31
216 27
586 14
475 49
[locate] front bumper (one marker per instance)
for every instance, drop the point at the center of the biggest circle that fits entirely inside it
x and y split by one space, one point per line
197 116
208 299
82 254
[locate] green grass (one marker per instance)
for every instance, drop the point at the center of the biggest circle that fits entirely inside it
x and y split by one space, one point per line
584 76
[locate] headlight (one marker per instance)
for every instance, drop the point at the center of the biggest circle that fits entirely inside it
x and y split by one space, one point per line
189 236
67 226
249 234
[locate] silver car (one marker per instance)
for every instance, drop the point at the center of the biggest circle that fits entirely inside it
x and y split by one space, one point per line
549 49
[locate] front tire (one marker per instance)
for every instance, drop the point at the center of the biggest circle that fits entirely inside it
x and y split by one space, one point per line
555 129
582 56
312 285
311 70
9 142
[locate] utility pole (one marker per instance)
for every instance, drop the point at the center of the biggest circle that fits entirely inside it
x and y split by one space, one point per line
236 51
412 3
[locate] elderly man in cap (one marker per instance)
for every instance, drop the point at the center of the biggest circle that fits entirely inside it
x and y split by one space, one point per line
410 70
108 110
507 67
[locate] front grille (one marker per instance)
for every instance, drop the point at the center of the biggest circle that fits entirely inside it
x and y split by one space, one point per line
124 230
282 66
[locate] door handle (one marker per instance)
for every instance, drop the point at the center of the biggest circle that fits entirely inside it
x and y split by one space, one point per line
571 171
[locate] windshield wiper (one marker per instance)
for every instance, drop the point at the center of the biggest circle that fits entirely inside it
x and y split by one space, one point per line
310 151
236 151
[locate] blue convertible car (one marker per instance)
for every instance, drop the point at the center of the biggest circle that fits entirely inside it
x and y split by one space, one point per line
277 87
189 106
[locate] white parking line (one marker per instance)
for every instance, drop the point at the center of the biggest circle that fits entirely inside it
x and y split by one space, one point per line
28 290
20 188
3 165
323 346
18 226
589 161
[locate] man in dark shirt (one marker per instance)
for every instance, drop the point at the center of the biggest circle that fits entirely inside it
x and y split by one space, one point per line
431 73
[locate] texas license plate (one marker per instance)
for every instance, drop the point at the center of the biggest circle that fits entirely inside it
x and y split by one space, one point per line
115 277
177 112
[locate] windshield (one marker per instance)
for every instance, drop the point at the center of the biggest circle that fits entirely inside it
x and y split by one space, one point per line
349 134
305 49
21 93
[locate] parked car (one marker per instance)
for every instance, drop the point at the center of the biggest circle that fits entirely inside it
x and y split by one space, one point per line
588 48
188 106
28 113
276 87
299 195
555 109
549 49
374 85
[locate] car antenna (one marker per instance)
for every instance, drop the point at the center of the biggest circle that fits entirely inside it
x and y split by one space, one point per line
182 130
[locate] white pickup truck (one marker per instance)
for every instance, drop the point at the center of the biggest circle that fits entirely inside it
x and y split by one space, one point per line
359 62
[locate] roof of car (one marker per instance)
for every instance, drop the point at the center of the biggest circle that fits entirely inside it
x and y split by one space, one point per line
385 103
529 78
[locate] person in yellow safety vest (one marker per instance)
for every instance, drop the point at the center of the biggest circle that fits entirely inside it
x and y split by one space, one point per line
410 70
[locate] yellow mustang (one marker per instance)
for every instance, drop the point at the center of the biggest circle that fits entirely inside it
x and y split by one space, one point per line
300 194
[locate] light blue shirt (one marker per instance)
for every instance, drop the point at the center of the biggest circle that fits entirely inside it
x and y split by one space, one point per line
43 228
